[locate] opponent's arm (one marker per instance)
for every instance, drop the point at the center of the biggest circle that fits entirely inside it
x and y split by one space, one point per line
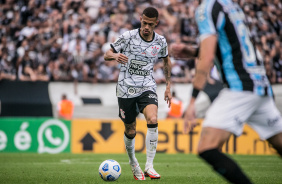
110 55
181 50
167 72
207 54
203 67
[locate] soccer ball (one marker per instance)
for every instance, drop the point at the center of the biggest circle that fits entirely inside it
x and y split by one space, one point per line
110 170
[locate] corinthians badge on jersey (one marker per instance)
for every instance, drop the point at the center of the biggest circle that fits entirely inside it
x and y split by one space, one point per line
154 51
131 91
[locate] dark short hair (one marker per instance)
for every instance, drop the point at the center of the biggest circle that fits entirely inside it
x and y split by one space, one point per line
64 96
151 12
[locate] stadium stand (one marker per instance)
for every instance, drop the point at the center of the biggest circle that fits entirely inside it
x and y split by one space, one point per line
57 42
64 40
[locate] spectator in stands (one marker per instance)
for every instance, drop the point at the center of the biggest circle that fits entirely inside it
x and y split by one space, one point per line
47 29
25 69
108 72
65 108
180 73
29 31
60 70
77 61
7 69
77 41
276 56
22 48
114 32
90 73
270 72
41 74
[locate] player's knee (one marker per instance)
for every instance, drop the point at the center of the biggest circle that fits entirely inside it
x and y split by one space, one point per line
130 133
201 149
207 145
152 120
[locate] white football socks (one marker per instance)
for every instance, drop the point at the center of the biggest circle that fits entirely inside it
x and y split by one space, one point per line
151 145
130 149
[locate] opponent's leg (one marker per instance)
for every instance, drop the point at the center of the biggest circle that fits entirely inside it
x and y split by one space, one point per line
208 149
267 122
150 113
129 141
276 142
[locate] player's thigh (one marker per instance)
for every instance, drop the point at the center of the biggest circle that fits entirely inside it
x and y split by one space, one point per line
266 120
276 142
127 110
151 113
230 110
212 138
148 105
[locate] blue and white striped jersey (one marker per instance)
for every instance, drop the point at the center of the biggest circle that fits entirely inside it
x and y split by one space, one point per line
241 64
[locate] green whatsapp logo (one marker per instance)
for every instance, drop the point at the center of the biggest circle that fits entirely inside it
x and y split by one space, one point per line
53 136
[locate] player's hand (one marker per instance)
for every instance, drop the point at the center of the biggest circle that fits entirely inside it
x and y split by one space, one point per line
189 118
121 58
167 96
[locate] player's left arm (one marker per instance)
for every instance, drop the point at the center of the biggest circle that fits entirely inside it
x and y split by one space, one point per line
205 63
182 50
206 22
203 67
167 73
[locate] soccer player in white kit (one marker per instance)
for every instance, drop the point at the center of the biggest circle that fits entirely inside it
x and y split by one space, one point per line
248 96
137 51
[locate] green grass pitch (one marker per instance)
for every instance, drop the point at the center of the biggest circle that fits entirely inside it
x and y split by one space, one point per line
83 168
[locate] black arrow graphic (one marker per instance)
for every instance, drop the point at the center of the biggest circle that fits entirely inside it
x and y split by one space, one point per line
88 142
106 130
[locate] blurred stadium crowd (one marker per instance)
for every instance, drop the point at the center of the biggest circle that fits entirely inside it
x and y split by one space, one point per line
64 40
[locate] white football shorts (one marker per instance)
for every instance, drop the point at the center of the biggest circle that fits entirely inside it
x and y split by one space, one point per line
232 109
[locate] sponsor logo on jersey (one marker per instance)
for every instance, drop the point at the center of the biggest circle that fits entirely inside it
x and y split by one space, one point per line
134 90
201 13
131 91
122 113
138 72
136 67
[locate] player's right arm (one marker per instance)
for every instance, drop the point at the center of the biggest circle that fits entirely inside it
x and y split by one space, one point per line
110 55
116 50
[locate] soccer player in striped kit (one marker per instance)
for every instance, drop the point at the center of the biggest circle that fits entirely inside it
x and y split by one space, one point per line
248 96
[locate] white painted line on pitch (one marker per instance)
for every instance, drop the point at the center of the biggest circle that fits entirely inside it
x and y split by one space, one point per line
66 161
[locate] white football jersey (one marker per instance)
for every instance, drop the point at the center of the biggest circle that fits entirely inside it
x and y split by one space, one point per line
136 76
